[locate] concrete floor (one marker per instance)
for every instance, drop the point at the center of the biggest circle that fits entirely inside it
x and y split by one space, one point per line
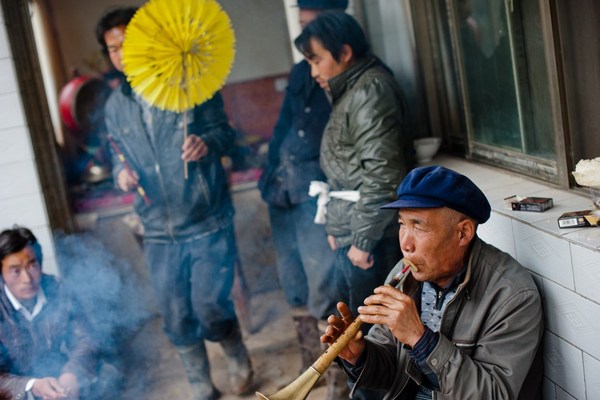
153 369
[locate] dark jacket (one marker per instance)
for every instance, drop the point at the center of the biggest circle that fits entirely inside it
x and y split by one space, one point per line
294 148
490 337
364 148
180 208
55 342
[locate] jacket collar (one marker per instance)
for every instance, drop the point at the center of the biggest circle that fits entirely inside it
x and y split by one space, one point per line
338 85
125 88
474 255
18 306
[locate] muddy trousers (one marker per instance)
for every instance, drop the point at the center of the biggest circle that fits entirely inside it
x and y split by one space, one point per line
197 368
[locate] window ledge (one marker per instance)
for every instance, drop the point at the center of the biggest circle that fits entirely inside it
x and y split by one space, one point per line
499 184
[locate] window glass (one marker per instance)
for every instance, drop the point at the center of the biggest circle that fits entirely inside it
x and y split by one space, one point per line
505 75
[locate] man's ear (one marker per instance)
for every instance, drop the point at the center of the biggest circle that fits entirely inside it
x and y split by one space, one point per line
466 231
346 55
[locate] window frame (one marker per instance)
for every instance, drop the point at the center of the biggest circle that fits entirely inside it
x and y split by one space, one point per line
443 20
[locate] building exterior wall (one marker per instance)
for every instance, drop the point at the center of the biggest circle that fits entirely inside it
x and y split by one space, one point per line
566 265
21 197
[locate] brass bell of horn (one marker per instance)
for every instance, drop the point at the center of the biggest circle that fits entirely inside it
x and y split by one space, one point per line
301 386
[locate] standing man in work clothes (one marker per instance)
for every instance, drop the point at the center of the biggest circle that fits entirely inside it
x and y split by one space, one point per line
304 260
189 240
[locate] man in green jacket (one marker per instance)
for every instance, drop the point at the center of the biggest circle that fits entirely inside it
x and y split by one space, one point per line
364 150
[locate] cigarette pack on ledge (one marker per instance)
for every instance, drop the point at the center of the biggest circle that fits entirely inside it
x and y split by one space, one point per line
574 219
537 204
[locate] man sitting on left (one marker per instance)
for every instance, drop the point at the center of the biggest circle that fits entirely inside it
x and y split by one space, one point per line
45 347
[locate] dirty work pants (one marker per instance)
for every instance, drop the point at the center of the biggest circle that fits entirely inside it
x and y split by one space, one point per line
192 281
356 284
304 259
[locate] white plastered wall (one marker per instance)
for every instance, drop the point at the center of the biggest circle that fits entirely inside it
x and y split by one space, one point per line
21 198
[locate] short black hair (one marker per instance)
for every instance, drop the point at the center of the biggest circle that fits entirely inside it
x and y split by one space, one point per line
111 19
333 29
15 240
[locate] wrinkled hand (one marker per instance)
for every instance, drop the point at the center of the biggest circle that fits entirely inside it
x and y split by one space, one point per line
193 149
359 258
127 181
337 325
49 389
69 382
389 306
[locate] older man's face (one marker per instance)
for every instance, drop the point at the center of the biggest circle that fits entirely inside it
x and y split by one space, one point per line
431 239
22 273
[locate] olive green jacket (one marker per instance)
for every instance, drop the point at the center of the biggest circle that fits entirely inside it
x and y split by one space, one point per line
490 343
364 148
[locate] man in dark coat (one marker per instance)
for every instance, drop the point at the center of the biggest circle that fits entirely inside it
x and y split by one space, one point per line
45 347
304 260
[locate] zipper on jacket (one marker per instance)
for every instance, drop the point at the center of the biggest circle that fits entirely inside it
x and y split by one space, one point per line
150 139
439 299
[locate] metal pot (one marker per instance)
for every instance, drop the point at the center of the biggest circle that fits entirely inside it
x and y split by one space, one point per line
81 103
81 106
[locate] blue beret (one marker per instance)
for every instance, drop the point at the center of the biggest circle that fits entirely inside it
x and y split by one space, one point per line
435 186
323 4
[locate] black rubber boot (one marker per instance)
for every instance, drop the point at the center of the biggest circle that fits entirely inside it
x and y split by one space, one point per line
197 368
308 339
238 363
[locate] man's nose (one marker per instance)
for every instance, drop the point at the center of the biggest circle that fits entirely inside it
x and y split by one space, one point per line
407 245
26 276
314 73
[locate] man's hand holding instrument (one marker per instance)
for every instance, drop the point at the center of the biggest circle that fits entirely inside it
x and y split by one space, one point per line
345 340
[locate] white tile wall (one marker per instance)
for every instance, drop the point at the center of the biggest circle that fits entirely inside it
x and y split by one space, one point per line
44 236
489 181
15 145
27 210
498 232
563 365
18 179
586 266
8 81
539 281
21 200
545 254
586 237
562 395
11 111
592 376
566 265
572 317
4 49
548 390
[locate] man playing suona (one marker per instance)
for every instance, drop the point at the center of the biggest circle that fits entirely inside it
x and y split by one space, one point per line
465 323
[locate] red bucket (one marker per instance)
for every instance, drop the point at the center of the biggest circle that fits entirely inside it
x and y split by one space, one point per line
81 103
